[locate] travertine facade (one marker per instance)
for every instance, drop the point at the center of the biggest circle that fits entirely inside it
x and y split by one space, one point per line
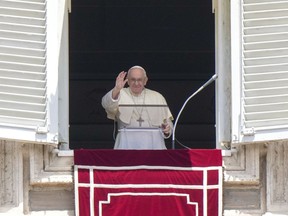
256 180
34 180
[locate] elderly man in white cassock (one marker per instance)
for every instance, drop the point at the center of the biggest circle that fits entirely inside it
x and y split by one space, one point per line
143 117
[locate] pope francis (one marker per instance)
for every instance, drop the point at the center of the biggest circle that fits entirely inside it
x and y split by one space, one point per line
144 120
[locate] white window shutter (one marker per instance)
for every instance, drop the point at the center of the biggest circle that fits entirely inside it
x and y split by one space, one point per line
29 72
259 70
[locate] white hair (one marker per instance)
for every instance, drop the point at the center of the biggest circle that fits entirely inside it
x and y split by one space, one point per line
137 67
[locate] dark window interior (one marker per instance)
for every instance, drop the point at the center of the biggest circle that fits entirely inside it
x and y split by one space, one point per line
172 39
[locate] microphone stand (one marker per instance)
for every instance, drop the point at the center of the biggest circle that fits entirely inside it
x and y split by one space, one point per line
214 77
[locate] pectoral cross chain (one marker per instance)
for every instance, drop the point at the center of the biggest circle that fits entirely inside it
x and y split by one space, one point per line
140 120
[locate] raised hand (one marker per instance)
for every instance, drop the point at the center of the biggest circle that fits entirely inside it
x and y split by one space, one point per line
119 84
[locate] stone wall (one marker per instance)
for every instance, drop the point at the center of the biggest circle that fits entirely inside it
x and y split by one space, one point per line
35 179
256 179
11 176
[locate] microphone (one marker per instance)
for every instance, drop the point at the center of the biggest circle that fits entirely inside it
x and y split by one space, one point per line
213 78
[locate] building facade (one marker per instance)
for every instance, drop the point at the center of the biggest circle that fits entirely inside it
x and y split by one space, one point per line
36 174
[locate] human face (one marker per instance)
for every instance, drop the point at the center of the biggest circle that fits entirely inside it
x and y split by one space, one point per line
137 81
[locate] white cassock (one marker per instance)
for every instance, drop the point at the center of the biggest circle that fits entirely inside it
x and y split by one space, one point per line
139 127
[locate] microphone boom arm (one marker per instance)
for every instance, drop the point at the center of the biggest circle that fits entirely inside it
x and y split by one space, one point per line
214 77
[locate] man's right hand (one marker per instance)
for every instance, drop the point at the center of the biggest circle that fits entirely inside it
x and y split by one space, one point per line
119 84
